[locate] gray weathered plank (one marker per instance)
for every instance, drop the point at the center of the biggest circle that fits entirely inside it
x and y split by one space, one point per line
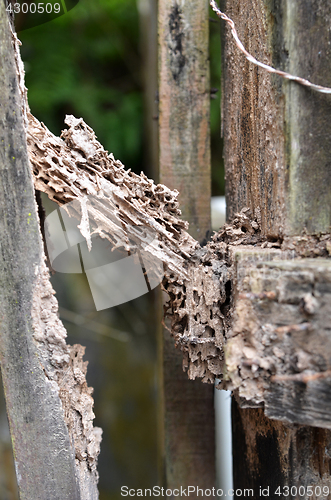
184 144
44 457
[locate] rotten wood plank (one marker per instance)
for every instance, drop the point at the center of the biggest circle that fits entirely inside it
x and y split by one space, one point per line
45 423
278 348
203 283
43 454
149 53
277 147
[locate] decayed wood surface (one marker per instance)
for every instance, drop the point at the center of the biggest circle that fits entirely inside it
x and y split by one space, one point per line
277 132
48 403
278 346
204 284
184 164
273 457
277 151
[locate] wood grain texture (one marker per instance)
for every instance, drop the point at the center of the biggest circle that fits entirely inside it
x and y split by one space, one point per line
308 127
278 348
184 94
276 132
253 115
76 164
49 404
268 454
43 454
184 144
277 152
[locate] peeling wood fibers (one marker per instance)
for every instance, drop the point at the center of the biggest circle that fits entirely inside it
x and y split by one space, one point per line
64 367
220 321
61 364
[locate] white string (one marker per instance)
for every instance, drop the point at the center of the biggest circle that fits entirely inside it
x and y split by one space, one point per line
283 74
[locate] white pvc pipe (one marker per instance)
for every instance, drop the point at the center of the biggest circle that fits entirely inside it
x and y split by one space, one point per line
223 431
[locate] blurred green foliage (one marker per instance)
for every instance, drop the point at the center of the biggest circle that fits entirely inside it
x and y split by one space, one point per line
87 63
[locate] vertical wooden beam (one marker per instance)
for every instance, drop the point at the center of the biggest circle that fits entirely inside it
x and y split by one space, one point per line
276 133
148 10
307 116
184 144
44 458
277 160
184 137
149 55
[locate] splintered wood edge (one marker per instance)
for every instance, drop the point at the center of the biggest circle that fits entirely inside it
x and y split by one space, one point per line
75 166
62 365
208 315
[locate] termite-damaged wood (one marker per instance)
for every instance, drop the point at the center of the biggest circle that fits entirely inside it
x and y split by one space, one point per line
272 457
196 278
278 346
277 152
64 367
38 369
49 404
220 320
275 324
75 165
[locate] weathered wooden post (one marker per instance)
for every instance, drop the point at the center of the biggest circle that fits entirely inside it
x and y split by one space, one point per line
277 158
184 100
51 457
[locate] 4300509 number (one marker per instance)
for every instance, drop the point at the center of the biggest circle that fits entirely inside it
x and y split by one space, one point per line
302 491
34 8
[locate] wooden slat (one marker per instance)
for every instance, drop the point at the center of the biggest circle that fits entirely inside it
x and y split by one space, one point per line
276 132
184 137
277 150
45 462
185 165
